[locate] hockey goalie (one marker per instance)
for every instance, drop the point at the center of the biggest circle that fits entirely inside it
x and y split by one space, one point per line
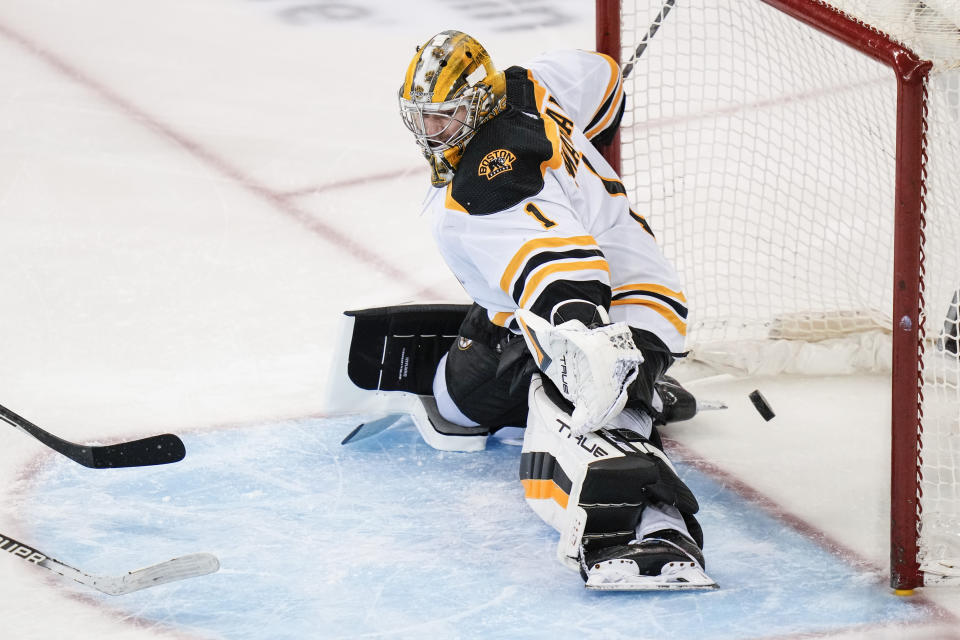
576 318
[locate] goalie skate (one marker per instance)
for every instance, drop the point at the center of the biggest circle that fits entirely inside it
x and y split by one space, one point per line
623 575
665 560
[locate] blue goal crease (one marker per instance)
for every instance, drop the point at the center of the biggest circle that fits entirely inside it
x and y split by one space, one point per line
388 537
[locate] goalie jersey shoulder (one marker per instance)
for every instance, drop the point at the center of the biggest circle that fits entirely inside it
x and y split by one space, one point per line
588 85
505 162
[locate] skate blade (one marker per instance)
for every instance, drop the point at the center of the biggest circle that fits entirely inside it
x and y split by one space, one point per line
620 575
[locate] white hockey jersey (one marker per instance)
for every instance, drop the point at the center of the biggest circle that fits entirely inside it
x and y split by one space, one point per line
535 216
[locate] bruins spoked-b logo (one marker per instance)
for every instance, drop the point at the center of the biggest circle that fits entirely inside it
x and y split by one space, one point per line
496 162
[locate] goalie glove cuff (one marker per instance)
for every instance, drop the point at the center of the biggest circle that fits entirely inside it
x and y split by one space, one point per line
592 368
590 314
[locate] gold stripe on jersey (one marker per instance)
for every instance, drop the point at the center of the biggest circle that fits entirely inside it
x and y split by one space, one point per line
553 268
539 91
450 202
668 313
555 161
655 288
665 301
550 127
531 246
614 88
568 151
501 318
538 354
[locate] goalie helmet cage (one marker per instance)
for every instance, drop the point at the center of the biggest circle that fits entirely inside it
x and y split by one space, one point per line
799 158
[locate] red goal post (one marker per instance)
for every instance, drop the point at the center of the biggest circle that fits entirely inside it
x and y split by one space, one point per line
771 106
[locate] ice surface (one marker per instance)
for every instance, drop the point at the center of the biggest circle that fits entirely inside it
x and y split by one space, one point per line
386 537
190 195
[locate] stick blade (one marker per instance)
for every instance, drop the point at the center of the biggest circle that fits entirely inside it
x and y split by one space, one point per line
161 449
369 429
181 568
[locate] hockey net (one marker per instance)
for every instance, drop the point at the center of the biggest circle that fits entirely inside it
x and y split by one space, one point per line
800 160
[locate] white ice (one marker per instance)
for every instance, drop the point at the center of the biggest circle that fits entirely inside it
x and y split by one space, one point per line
190 194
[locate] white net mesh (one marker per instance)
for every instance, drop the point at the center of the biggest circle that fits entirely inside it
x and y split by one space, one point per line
927 27
763 154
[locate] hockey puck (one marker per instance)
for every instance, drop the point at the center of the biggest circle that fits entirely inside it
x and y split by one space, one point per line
763 407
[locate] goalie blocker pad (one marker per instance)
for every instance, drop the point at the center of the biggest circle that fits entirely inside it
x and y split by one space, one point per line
398 348
594 486
385 361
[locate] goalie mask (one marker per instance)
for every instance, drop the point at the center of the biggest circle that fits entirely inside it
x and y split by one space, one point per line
450 89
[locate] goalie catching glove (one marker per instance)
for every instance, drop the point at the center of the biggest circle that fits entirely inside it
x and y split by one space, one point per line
592 367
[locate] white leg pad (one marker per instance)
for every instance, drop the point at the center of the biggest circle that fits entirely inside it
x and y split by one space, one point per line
553 467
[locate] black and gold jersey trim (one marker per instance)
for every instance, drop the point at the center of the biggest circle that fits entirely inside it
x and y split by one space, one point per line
542 258
613 187
601 112
668 303
643 223
607 118
548 268
522 256
679 308
557 271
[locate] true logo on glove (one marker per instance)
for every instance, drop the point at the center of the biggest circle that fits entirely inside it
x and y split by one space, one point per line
563 375
496 162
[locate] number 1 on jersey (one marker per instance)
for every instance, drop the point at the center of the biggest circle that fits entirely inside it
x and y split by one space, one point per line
533 210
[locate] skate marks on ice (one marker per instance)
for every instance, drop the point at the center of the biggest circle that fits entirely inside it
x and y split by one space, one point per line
387 537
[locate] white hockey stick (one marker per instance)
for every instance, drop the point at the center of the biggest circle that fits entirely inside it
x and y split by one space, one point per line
189 566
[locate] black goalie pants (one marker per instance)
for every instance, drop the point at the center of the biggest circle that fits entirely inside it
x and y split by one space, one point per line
471 376
488 372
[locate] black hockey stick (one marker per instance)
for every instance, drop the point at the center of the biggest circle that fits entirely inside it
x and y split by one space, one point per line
654 27
161 449
189 566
